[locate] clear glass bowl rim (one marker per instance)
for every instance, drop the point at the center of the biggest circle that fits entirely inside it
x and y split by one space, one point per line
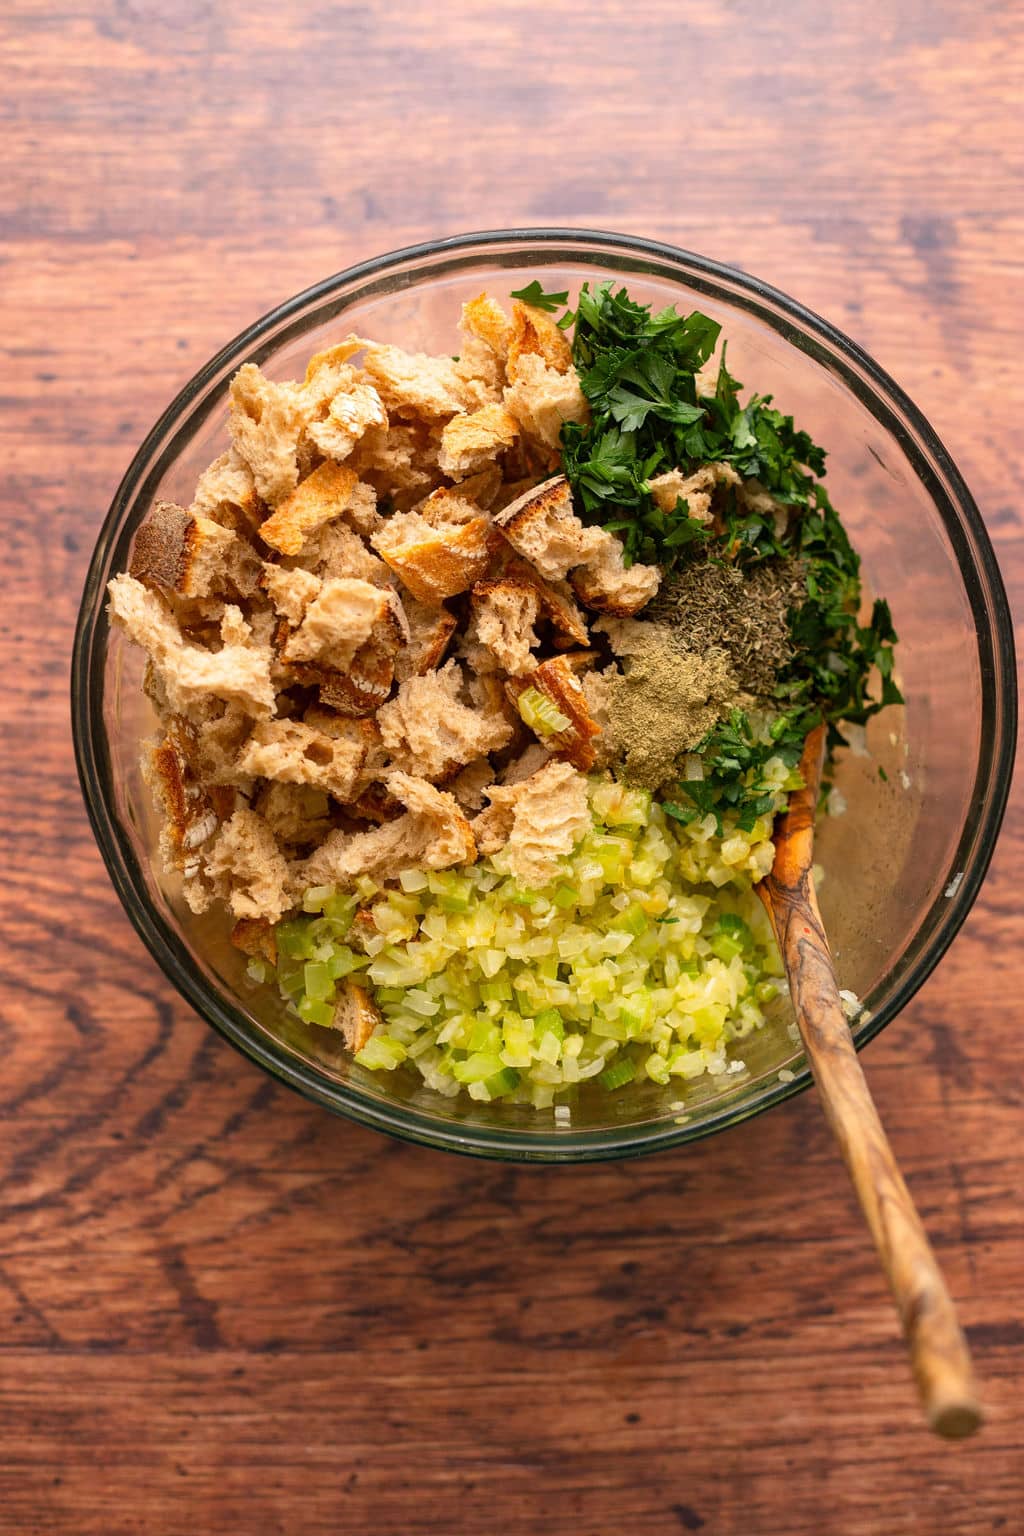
890 406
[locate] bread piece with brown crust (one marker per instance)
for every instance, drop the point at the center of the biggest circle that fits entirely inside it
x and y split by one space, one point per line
535 334
483 317
470 442
430 630
323 496
542 526
255 936
434 562
189 553
355 1014
695 489
556 679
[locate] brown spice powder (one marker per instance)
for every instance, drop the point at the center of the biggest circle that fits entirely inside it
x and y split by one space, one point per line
666 700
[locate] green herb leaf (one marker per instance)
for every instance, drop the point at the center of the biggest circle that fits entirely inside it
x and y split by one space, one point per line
534 294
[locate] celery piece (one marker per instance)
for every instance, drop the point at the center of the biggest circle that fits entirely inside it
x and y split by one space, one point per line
549 1048
550 1022
725 947
380 1053
477 1068
565 896
341 908
256 970
343 962
634 920
765 991
618 1074
315 1011
295 939
656 1068
540 713
502 1082
317 981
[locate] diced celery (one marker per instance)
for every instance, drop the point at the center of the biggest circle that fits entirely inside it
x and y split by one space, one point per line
540 713
317 981
477 1068
550 1022
656 1068
564 896
618 1074
502 1082
381 1054
315 1012
295 939
634 920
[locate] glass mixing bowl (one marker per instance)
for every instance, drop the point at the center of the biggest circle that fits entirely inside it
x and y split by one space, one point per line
902 866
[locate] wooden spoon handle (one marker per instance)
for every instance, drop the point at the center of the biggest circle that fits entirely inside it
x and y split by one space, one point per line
938 1349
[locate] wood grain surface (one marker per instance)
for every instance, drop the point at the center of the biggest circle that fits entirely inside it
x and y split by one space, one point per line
220 1309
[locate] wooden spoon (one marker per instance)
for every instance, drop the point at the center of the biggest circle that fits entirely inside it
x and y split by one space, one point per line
938 1349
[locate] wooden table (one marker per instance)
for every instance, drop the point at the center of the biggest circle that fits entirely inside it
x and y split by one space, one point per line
220 1309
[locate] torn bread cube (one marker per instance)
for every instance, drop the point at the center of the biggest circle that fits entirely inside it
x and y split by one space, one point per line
695 489
434 562
189 553
239 672
361 690
266 423
469 784
338 550
255 937
226 493
400 463
297 814
431 733
432 833
530 826
342 618
470 442
247 869
320 498
535 334
503 615
542 526
192 811
556 682
606 584
428 387
292 752
351 412
290 592
430 630
355 1014
484 318
542 400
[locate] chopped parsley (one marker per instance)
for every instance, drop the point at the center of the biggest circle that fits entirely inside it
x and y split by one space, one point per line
534 294
650 413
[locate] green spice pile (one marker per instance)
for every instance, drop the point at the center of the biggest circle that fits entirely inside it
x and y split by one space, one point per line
709 602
